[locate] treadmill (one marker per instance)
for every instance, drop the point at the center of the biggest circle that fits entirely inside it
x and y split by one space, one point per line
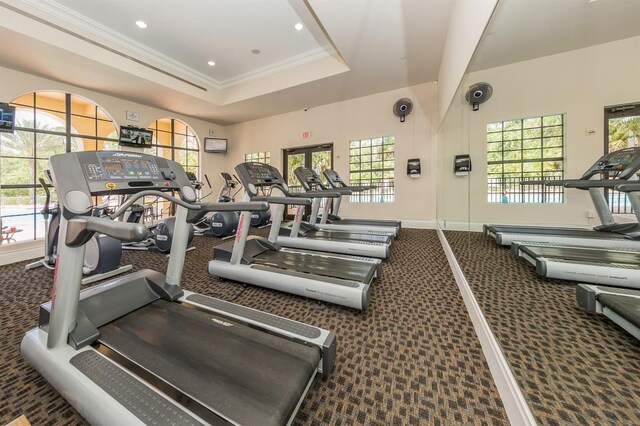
621 305
334 278
330 216
308 235
612 169
140 350
591 265
310 181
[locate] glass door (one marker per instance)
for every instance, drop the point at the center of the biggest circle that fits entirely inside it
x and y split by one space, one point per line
318 158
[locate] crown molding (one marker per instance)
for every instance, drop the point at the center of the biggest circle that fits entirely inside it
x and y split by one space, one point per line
92 27
291 62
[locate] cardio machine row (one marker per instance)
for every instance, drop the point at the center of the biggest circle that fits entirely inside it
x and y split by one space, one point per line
211 361
335 266
605 260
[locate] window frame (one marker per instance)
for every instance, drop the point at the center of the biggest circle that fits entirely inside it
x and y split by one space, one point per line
262 157
68 134
385 187
503 180
615 198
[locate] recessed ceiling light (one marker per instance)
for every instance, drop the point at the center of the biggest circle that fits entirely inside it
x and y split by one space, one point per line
211 63
141 24
298 26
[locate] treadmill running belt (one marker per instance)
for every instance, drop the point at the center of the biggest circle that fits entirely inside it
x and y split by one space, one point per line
370 222
318 265
247 376
349 236
627 307
584 255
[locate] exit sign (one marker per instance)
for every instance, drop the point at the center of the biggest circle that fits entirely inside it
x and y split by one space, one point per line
306 135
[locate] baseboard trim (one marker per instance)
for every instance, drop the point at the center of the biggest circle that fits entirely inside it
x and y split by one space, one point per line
14 256
453 225
419 224
513 400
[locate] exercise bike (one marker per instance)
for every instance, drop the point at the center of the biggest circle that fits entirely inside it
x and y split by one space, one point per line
103 253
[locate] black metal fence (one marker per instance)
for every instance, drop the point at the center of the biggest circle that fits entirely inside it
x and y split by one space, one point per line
619 202
517 190
383 191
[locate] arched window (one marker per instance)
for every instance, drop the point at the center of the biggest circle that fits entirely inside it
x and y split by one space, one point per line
173 139
47 123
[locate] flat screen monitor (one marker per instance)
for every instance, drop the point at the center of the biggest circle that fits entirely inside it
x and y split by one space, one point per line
215 145
7 118
134 136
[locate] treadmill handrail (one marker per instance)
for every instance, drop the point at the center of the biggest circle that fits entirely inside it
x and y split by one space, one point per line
292 200
81 230
586 184
328 193
628 187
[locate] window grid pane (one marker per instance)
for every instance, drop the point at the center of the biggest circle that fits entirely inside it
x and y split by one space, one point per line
260 157
525 150
371 164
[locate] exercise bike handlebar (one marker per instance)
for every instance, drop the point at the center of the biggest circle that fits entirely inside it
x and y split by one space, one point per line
208 182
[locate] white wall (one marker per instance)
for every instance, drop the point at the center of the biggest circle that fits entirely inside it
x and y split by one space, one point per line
358 118
578 83
468 21
15 83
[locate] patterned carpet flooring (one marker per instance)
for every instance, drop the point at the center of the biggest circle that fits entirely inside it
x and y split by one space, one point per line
412 358
573 367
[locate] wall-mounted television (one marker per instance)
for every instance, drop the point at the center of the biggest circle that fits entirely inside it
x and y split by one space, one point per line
135 136
215 145
7 118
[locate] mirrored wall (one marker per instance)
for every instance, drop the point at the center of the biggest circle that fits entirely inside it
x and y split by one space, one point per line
565 90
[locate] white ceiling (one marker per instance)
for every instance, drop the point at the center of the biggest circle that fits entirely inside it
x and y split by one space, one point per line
525 29
348 48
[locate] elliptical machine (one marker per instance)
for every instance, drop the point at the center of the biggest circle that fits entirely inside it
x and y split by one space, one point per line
219 224
259 219
160 235
102 256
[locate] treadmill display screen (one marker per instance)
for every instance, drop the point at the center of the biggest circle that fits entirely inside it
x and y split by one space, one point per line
260 172
123 166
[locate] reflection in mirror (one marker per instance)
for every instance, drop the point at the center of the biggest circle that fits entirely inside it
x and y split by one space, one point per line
565 93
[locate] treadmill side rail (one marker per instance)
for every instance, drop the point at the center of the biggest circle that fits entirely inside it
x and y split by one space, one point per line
95 404
323 339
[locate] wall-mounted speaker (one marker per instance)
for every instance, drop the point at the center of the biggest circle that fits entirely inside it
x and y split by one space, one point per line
402 108
478 93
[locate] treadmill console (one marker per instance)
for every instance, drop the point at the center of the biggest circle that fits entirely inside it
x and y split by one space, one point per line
308 178
621 164
258 175
116 173
334 179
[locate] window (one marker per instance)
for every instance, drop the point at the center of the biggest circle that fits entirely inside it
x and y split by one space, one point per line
47 123
622 131
371 163
528 149
174 140
261 157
